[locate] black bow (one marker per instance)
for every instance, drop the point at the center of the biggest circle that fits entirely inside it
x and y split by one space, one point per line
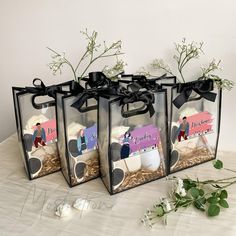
83 97
137 96
99 85
140 81
40 89
94 93
201 87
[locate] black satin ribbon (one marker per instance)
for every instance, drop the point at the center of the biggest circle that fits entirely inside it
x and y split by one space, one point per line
83 98
40 89
76 88
98 79
202 87
94 93
137 96
140 81
101 85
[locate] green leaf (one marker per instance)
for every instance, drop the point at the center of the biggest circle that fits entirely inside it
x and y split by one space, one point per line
223 194
177 196
188 184
213 210
202 200
194 192
198 204
212 200
224 203
201 192
218 164
159 211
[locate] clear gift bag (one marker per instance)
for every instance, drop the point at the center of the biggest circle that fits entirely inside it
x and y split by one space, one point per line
36 127
195 123
132 130
77 128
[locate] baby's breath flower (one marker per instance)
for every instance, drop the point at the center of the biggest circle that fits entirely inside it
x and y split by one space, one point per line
93 52
179 187
189 192
166 205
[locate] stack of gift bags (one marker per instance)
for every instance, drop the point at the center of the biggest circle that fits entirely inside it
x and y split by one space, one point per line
127 131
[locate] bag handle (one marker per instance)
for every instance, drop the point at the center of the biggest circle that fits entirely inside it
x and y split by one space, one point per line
40 89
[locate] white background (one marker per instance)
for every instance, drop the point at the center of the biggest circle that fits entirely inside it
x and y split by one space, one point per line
147 28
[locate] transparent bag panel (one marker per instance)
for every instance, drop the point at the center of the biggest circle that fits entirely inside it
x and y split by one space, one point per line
38 128
103 141
18 126
194 131
81 138
137 145
61 143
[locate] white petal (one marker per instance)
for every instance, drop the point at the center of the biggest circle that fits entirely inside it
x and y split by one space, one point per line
63 210
81 204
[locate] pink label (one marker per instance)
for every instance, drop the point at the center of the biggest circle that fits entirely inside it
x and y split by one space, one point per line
50 129
201 123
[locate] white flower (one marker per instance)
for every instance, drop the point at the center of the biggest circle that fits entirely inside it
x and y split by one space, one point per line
180 182
166 205
179 187
81 204
63 210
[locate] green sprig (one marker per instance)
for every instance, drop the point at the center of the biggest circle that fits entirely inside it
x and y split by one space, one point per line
196 193
94 51
184 54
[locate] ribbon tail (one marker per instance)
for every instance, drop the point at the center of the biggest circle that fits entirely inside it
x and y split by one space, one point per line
209 96
151 110
80 101
180 100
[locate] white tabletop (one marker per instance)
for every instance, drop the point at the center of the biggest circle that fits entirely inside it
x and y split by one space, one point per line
27 207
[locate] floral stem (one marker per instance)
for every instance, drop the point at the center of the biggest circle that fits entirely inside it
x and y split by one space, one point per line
82 58
54 51
94 59
229 170
227 185
214 181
